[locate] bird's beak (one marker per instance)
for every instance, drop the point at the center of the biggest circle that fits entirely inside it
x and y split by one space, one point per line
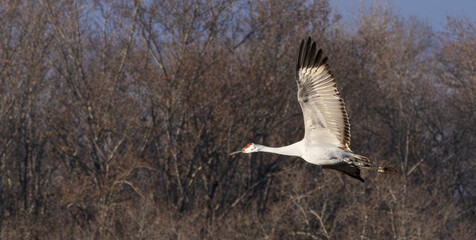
233 153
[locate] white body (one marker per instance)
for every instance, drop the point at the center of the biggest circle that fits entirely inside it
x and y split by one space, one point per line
324 154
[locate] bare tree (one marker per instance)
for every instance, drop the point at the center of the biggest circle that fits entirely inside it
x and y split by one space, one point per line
118 118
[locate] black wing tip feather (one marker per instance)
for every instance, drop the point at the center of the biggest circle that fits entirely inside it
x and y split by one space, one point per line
348 170
299 60
360 179
309 55
306 53
324 62
355 174
312 54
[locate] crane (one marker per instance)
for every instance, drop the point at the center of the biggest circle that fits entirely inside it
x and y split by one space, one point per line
326 139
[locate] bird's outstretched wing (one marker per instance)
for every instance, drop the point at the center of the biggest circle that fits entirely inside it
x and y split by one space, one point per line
325 117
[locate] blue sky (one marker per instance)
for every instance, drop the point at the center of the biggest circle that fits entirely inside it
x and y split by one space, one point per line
434 11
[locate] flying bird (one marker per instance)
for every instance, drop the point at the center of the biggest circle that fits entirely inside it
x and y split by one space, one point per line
326 139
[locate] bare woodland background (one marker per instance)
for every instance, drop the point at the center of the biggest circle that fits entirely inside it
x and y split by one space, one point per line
117 118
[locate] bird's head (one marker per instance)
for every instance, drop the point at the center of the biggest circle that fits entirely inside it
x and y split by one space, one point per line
250 148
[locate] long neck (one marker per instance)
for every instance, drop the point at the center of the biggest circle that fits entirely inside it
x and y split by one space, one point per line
290 150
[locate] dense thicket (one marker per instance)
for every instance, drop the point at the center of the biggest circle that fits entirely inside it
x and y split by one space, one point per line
117 118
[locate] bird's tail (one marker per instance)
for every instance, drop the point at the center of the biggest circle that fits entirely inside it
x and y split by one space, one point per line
386 170
364 162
